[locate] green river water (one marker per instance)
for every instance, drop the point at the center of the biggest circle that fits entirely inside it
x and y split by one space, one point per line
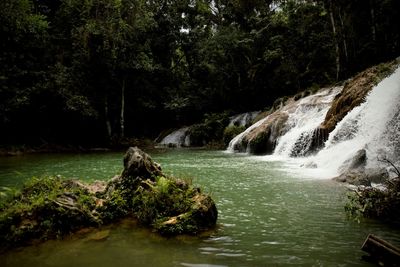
267 216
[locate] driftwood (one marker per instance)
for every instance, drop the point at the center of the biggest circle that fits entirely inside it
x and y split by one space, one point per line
381 252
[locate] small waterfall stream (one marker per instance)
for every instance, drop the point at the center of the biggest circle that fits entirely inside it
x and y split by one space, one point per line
177 138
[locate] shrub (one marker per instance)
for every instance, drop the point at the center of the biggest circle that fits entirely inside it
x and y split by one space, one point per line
375 203
210 130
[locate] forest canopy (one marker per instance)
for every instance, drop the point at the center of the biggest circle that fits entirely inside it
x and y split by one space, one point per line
84 71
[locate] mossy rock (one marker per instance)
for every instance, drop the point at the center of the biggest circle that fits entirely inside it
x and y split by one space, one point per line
51 207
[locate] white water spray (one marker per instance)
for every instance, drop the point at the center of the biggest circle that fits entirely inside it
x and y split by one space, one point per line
308 115
370 126
373 126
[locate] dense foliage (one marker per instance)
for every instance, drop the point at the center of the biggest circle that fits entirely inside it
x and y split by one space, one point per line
376 203
87 71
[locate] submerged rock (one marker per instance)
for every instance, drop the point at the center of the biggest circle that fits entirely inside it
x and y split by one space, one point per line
51 207
354 177
364 176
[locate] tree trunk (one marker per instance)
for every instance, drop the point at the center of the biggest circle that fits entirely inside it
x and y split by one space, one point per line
122 116
337 51
107 118
346 55
373 26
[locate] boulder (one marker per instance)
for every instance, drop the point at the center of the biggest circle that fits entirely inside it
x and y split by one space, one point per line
357 162
354 177
139 164
202 215
52 207
377 175
364 176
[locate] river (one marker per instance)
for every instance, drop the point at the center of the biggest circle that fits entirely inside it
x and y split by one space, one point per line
268 216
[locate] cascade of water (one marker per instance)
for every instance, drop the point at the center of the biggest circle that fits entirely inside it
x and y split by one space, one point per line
308 115
177 138
373 126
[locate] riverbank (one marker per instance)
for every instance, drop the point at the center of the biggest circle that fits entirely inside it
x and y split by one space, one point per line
11 150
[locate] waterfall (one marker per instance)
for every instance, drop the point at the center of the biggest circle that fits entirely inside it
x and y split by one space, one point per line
373 126
177 138
243 119
305 115
309 113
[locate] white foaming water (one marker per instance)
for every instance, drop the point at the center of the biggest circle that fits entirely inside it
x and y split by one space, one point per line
373 126
177 138
308 115
368 126
304 117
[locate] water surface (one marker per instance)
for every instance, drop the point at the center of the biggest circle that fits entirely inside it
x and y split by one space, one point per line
267 216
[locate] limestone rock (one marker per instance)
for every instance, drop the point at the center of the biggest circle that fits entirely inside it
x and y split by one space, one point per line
202 215
354 177
139 164
359 160
378 175
363 176
262 140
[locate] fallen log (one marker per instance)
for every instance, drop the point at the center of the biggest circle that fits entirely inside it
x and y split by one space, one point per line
381 252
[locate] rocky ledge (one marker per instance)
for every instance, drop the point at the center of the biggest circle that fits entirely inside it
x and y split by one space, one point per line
51 207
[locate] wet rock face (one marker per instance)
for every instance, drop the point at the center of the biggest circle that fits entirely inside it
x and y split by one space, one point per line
358 162
262 140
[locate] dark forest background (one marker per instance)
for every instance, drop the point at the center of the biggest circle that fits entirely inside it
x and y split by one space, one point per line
84 71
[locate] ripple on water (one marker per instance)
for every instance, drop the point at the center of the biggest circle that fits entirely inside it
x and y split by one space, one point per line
201 265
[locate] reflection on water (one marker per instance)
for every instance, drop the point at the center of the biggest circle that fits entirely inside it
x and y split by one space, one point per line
267 217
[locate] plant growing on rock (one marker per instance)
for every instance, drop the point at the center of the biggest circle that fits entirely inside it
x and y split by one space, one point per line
377 203
51 207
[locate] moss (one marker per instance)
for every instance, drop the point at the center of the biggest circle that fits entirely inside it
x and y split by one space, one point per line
230 132
163 199
50 207
261 144
37 212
